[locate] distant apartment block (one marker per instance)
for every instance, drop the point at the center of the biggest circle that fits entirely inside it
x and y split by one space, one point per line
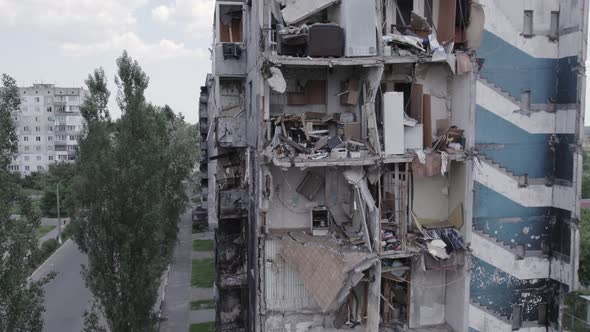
48 125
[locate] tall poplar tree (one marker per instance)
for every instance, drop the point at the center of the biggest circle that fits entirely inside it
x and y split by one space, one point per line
129 196
21 300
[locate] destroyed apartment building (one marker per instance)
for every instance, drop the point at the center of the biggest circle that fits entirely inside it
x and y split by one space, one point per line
394 165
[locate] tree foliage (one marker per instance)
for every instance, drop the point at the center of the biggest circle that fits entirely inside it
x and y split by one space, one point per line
586 175
65 174
129 194
21 301
584 268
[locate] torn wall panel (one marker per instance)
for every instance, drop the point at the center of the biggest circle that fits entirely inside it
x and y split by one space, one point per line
298 10
427 302
328 270
284 287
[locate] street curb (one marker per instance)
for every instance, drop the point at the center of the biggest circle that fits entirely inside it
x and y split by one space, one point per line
165 285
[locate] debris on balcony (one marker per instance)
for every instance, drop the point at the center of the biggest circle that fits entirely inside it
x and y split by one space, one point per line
314 136
442 237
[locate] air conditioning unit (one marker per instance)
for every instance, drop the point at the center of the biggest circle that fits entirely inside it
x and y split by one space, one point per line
232 51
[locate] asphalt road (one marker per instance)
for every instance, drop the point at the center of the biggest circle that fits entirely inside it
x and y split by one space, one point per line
66 296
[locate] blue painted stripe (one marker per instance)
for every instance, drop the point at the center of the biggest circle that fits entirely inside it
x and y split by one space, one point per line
520 152
514 224
488 203
508 221
516 71
530 233
499 291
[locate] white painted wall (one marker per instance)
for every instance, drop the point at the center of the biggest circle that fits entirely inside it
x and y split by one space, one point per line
484 322
560 122
431 199
527 268
288 209
506 22
427 297
531 196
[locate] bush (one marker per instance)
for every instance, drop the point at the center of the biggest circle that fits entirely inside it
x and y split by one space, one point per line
48 247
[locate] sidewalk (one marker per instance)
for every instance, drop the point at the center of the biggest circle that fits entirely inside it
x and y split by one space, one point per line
175 309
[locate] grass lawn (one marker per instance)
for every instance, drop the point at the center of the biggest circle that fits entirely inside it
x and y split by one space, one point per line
203 273
43 229
202 304
203 327
203 245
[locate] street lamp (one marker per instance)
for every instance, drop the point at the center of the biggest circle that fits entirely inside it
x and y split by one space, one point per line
58 214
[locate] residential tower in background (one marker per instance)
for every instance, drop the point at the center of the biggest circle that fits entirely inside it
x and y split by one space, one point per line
48 125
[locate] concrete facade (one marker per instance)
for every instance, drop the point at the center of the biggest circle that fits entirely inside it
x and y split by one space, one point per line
430 186
48 125
529 134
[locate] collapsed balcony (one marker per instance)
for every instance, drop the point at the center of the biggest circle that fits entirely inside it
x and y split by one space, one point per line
362 116
230 261
232 309
308 31
408 215
230 131
325 278
396 210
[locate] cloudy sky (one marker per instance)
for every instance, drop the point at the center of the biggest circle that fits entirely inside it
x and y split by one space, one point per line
62 41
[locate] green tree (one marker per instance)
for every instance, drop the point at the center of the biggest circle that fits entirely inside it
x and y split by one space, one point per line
21 301
129 194
586 175
584 269
64 174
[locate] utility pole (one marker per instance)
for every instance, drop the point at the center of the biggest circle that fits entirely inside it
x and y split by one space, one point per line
58 215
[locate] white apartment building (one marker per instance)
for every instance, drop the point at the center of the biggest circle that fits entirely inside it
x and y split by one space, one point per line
48 125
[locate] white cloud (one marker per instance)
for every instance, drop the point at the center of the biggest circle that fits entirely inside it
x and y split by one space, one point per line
193 16
163 50
72 20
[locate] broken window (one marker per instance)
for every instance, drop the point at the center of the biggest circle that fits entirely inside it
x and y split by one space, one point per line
527 29
232 96
230 24
403 14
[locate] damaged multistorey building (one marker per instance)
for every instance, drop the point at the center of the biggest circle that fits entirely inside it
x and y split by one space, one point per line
355 164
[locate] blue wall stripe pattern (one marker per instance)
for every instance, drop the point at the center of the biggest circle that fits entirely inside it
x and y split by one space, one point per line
516 149
514 224
550 81
515 71
499 291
